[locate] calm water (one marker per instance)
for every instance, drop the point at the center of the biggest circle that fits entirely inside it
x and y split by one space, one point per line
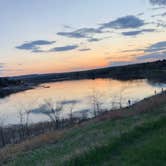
108 91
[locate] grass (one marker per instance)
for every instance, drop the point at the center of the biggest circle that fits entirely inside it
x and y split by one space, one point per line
134 136
145 145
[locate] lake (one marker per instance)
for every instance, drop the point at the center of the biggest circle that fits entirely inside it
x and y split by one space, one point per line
76 95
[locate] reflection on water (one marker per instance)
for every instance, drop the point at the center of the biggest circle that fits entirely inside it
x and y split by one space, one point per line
110 93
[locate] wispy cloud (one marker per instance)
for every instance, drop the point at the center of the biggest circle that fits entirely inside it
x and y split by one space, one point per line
2 65
161 24
64 48
137 32
68 102
155 51
159 46
158 2
133 50
140 14
34 46
163 14
67 27
125 22
121 63
86 33
153 56
1 68
94 39
84 49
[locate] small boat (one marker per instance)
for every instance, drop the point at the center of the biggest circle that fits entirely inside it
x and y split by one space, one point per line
46 86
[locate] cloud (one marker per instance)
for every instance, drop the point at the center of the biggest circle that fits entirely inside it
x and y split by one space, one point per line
153 56
135 33
64 48
125 22
67 102
158 2
155 51
163 14
158 8
159 46
154 48
84 49
159 15
2 65
133 50
38 50
34 45
6 68
121 63
161 24
2 68
80 33
44 108
67 27
140 14
94 39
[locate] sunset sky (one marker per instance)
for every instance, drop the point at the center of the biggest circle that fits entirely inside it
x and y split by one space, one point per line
49 36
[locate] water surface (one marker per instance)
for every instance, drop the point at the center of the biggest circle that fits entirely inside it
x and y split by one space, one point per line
109 92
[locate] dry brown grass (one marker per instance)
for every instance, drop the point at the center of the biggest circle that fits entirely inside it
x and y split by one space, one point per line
146 105
11 151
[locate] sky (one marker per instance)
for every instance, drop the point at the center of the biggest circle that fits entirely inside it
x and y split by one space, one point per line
39 36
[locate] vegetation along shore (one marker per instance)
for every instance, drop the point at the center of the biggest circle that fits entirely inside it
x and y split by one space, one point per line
112 137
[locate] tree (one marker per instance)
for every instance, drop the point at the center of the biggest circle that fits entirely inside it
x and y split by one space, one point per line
2 137
21 124
121 95
96 102
71 108
53 112
23 115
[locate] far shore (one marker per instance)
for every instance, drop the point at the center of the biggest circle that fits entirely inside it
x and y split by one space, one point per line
154 71
6 91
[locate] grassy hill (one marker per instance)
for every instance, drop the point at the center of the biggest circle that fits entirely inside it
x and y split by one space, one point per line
131 136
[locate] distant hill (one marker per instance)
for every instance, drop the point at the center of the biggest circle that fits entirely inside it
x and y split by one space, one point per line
151 70
5 82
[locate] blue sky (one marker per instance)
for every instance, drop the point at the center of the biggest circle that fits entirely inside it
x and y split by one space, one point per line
39 36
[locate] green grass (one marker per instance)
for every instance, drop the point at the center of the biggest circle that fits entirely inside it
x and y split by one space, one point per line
145 145
136 140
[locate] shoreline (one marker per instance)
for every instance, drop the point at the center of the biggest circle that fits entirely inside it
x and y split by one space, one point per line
22 131
7 91
13 89
152 71
150 106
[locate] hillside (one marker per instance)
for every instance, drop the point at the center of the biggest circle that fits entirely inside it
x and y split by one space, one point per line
150 70
130 136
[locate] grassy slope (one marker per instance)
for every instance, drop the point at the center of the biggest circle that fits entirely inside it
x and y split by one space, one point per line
136 139
145 145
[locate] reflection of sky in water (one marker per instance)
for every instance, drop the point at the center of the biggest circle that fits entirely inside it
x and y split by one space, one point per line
107 90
